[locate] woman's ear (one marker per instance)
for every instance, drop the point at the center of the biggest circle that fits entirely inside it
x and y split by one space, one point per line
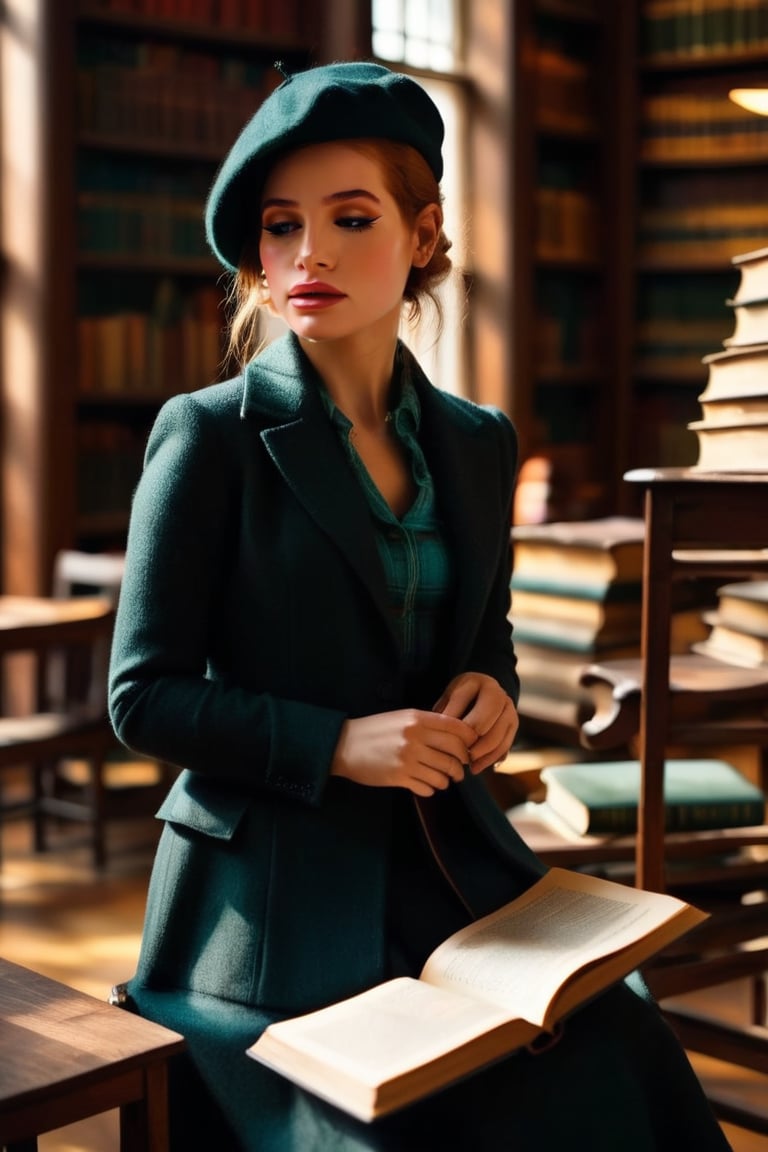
425 233
264 295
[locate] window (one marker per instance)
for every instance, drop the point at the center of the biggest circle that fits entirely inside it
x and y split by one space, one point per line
423 36
420 33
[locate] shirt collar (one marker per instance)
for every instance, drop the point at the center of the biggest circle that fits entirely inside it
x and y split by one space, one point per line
406 415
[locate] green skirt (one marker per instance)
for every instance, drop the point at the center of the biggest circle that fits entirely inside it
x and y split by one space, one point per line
616 1081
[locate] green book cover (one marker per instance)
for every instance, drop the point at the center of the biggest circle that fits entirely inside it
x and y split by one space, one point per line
606 592
602 798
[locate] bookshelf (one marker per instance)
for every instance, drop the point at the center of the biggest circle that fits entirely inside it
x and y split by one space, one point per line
663 179
701 167
132 107
567 60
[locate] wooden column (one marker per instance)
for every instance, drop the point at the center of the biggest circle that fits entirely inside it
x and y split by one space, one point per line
492 169
38 333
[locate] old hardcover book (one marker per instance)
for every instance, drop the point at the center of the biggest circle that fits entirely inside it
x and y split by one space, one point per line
595 613
735 408
498 985
753 280
733 645
588 553
610 591
750 323
737 446
602 798
538 665
744 604
737 372
588 637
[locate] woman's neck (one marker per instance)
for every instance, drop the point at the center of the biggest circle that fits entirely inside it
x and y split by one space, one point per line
357 375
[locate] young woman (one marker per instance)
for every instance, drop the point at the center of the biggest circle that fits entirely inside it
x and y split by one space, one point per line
313 626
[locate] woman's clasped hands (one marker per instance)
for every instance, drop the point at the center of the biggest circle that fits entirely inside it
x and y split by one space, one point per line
472 726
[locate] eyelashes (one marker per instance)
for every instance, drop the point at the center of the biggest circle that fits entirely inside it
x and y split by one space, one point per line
357 223
282 228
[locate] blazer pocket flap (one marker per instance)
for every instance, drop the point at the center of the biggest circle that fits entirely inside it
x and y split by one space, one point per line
203 806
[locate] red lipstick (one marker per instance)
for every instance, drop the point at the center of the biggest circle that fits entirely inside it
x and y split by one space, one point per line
314 294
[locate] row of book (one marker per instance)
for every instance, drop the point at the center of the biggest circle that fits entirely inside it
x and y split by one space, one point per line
567 224
702 27
283 19
678 320
167 94
564 92
133 354
136 224
683 126
688 219
732 433
699 234
566 334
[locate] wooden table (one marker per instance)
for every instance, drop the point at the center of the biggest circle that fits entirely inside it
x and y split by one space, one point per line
696 523
66 1056
28 621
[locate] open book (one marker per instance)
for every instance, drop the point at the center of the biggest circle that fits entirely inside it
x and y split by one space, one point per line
489 989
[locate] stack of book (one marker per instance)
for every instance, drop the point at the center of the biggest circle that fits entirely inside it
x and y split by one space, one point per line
733 430
577 599
739 625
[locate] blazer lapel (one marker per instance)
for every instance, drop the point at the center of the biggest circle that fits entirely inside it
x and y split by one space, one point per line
282 390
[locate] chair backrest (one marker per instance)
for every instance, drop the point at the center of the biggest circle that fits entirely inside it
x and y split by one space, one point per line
74 571
71 676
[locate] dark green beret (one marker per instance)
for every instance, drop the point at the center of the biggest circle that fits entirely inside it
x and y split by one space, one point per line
335 102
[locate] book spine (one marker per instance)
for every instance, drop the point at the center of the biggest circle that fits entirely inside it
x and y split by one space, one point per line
621 821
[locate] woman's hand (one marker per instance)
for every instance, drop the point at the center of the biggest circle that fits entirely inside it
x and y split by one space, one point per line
482 703
421 751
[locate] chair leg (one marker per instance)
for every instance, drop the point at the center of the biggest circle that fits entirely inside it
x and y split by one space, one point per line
98 803
40 785
759 1000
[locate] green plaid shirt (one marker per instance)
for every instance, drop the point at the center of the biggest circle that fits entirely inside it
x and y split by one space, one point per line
412 550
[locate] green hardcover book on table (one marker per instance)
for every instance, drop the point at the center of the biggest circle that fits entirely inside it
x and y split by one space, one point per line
602 798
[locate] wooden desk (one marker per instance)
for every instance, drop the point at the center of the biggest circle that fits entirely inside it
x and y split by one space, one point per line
65 1056
725 516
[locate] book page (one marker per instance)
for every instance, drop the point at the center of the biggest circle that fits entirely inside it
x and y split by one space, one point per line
519 956
389 1029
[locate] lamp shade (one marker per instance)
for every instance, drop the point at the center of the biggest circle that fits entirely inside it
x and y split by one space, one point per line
753 99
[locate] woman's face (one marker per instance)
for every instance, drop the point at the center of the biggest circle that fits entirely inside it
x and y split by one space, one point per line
334 247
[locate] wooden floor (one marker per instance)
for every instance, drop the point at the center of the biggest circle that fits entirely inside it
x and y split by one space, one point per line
61 918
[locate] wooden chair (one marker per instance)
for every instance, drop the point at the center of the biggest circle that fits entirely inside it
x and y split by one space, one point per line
65 720
79 771
120 786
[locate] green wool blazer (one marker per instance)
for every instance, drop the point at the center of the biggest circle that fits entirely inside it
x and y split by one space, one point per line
253 619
